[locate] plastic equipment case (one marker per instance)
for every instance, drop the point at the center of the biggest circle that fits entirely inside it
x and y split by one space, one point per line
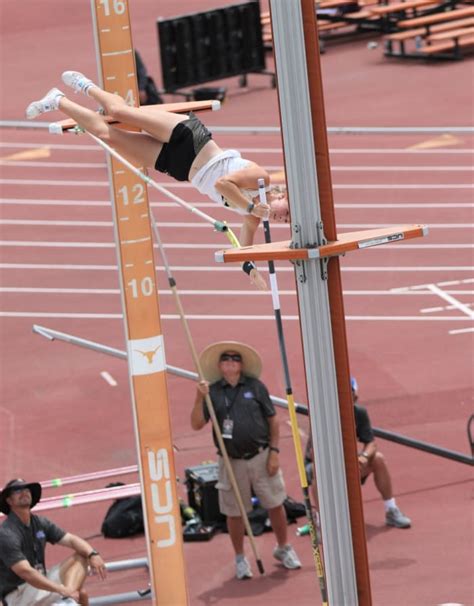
202 492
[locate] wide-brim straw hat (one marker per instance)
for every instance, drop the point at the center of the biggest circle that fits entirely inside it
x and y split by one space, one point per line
209 359
34 488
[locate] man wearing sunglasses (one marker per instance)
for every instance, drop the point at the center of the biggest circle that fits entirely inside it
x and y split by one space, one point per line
24 579
250 431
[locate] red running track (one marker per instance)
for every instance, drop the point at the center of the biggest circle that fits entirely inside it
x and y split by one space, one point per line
409 348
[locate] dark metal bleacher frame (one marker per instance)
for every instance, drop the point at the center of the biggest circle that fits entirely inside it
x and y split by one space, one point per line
204 47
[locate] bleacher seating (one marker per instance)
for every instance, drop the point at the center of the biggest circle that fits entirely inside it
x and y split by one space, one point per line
415 29
444 35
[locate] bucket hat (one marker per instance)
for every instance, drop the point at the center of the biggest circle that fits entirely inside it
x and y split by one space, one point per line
34 487
210 356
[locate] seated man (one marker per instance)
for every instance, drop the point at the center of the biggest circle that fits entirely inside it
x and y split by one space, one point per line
24 580
371 461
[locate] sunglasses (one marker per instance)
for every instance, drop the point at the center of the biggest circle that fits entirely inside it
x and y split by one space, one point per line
227 357
18 489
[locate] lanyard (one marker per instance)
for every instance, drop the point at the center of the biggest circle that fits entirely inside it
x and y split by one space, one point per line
228 405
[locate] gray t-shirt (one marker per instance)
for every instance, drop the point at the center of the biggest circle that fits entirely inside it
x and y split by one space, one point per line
19 542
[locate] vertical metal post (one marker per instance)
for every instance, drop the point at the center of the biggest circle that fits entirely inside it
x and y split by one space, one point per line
146 356
323 331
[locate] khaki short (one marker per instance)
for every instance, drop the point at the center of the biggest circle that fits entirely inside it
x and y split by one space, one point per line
26 595
250 474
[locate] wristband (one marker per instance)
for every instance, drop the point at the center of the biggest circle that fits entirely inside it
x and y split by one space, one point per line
92 554
250 207
275 449
365 455
247 267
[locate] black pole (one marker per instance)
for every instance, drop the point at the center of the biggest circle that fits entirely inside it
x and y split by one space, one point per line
403 440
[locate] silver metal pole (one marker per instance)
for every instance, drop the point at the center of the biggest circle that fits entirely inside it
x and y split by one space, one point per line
255 130
121 598
300 163
126 564
52 335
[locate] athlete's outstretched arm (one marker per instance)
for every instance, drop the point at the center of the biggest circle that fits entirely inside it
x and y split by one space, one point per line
247 234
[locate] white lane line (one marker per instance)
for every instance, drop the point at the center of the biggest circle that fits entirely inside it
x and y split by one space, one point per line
334 168
34 223
367 150
430 310
184 246
380 168
448 205
396 150
223 268
84 183
108 378
72 146
391 186
417 287
453 301
455 282
418 186
54 183
30 202
277 149
418 205
201 225
460 331
231 293
45 164
225 318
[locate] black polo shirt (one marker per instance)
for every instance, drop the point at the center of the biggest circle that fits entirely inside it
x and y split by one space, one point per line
364 431
20 542
248 405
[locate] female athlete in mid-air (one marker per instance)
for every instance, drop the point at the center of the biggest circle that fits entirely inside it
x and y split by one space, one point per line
178 145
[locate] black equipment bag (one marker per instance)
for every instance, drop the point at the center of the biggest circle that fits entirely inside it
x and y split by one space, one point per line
124 518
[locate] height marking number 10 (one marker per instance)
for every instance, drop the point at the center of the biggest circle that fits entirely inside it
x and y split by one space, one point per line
144 287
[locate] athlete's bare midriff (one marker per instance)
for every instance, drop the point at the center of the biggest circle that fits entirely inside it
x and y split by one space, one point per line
208 152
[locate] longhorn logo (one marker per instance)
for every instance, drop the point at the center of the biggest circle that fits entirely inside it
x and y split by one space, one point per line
149 355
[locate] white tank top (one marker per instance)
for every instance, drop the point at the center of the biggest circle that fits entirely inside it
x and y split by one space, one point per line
224 163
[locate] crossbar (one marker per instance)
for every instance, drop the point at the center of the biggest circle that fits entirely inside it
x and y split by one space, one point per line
347 242
57 128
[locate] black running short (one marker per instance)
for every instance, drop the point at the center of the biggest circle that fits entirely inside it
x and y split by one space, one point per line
187 140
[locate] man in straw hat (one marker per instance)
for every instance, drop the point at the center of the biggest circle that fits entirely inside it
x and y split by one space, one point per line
24 580
250 430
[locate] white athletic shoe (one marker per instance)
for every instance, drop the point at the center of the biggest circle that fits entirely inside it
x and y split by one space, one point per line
78 82
287 556
47 104
242 569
